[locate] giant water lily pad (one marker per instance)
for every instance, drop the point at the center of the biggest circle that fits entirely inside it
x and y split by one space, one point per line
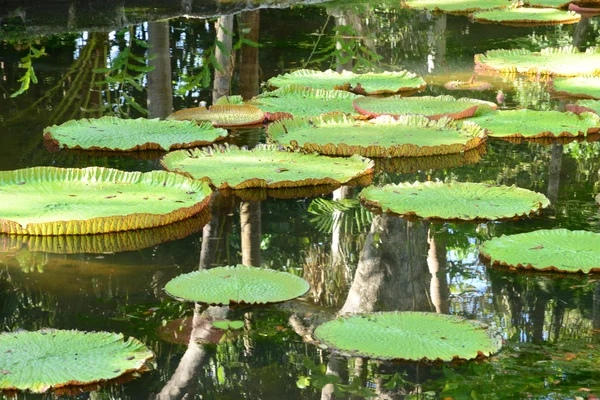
224 115
565 61
547 3
72 201
537 124
237 284
456 6
523 16
265 166
582 106
428 106
559 250
454 201
300 101
408 336
41 360
369 83
411 136
584 87
116 134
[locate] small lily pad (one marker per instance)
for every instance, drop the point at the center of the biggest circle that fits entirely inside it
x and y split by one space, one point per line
265 167
73 201
300 101
409 336
558 250
42 360
559 61
115 134
523 16
428 106
537 124
473 85
237 284
454 201
583 106
228 325
409 135
456 6
223 115
583 87
365 84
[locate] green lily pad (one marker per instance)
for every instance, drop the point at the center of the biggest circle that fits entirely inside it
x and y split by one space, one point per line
537 124
523 16
583 87
106 242
301 101
41 360
409 336
547 3
559 250
116 134
224 115
456 6
237 284
72 201
265 166
583 106
228 325
428 106
366 84
237 99
407 136
565 61
454 201
475 86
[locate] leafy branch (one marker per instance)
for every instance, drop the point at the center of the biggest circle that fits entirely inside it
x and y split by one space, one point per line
27 64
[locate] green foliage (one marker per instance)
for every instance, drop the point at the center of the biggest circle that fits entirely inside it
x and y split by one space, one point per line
27 64
346 214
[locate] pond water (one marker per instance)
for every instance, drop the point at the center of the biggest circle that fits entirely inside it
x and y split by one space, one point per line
355 261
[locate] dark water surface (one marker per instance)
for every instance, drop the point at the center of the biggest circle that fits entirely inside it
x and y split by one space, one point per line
355 261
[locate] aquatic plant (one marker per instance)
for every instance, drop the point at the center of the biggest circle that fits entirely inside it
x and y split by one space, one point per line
454 201
583 87
237 284
115 134
264 166
523 16
50 358
559 250
221 115
72 201
583 106
456 6
408 336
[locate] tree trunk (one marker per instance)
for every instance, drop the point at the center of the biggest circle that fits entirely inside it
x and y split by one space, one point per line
436 261
160 87
213 233
249 77
250 224
222 83
554 174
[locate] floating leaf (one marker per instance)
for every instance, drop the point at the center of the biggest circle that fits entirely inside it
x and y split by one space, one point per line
72 201
229 100
224 115
565 61
454 201
457 6
430 107
115 134
265 166
537 124
384 136
408 336
583 106
583 87
547 3
475 86
50 358
228 325
369 83
523 16
237 284
300 101
559 250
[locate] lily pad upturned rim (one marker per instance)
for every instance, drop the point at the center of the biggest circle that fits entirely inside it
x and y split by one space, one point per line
469 9
55 142
180 155
346 76
298 287
138 365
254 115
278 130
412 214
582 106
476 86
486 250
107 224
555 86
470 106
486 17
322 332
